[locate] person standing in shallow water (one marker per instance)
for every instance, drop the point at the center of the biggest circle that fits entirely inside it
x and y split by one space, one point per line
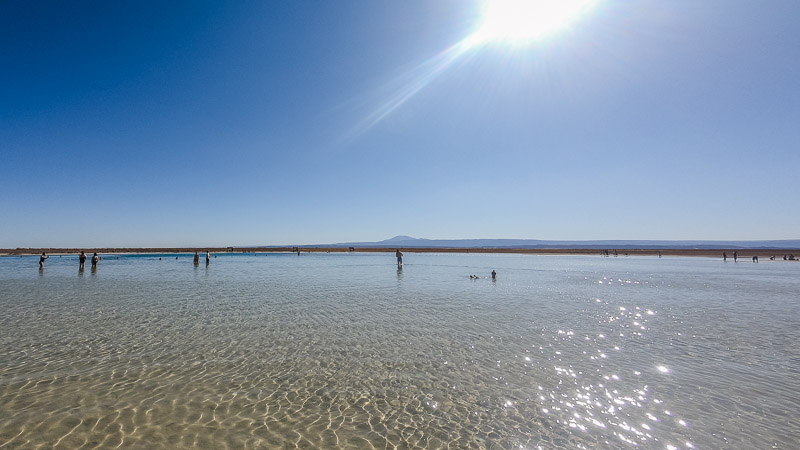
41 260
95 259
208 258
399 256
196 259
735 256
494 274
81 259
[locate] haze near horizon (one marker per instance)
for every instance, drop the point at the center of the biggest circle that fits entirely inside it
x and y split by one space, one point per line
183 124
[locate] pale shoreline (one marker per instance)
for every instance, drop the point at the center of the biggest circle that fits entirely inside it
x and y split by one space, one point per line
716 253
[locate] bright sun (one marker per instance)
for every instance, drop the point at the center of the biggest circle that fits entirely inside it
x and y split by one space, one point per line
520 21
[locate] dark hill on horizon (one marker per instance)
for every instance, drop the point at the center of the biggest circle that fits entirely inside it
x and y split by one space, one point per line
410 242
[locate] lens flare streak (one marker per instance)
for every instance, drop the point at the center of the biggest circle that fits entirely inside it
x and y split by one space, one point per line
411 83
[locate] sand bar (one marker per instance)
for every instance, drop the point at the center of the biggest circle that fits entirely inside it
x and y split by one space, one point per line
742 252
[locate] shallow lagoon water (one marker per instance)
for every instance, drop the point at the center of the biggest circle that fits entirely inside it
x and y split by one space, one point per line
345 350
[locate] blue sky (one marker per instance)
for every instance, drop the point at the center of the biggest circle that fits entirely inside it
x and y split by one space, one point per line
243 123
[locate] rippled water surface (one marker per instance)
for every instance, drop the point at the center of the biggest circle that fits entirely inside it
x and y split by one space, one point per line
345 350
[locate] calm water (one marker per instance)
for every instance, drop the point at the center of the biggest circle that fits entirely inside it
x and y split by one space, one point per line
344 350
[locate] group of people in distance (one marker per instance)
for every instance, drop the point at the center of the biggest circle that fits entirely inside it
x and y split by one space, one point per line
95 258
81 260
399 255
475 277
735 256
197 258
755 258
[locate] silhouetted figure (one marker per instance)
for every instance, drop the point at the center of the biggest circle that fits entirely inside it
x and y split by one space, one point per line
755 259
208 258
724 257
95 259
196 259
659 254
399 256
41 260
735 256
494 275
81 259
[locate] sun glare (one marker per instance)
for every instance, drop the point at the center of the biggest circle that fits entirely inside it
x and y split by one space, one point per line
512 22
521 21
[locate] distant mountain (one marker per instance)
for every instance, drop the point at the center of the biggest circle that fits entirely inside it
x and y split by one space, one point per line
399 239
410 242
